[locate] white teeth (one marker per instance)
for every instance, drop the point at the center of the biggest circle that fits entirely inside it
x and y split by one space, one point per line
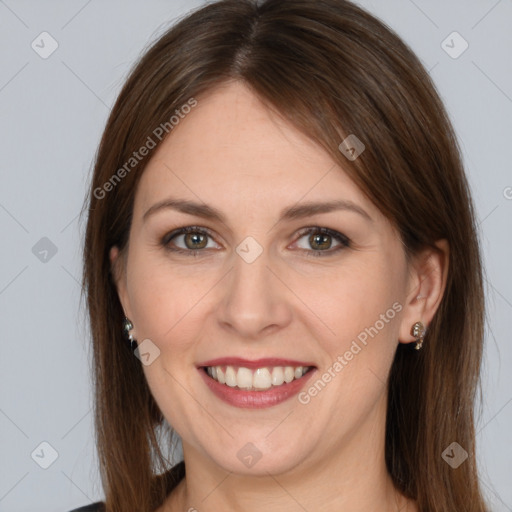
260 379
289 374
231 380
277 376
244 378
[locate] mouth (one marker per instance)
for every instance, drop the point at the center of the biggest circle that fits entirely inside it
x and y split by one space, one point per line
259 379
255 384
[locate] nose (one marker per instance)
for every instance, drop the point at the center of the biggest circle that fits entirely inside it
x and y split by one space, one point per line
254 300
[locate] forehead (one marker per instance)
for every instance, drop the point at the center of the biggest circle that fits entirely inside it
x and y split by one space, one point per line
232 147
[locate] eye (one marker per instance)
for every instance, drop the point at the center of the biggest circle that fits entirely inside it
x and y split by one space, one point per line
192 238
320 240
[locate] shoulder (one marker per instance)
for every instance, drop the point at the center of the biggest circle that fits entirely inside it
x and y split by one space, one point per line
99 506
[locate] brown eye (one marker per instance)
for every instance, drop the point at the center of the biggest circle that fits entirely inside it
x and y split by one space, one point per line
190 239
320 240
195 240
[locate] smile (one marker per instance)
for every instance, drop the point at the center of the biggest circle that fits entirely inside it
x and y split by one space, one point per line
255 384
259 379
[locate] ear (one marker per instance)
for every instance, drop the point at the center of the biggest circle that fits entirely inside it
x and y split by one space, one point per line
118 269
427 281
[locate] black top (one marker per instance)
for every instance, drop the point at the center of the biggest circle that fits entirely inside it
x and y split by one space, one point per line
99 506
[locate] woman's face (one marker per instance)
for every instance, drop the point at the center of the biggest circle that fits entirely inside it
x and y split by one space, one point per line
261 286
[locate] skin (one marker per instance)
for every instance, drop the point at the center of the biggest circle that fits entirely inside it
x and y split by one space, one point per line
234 154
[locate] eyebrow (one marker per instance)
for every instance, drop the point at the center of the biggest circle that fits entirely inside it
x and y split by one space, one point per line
298 211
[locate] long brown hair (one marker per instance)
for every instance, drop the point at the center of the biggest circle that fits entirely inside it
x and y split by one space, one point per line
331 69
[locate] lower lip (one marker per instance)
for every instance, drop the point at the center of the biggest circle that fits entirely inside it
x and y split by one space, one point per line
255 399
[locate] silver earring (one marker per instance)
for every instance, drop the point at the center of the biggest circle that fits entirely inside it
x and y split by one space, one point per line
128 326
418 331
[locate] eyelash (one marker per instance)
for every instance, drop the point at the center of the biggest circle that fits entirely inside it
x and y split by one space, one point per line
344 241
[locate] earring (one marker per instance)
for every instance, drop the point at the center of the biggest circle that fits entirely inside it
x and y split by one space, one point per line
128 326
418 331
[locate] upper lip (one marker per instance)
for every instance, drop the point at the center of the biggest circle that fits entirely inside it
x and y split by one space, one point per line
257 363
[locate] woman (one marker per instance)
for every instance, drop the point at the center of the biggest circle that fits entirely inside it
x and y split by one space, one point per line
282 268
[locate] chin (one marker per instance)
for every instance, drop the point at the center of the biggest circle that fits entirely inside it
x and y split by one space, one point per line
260 457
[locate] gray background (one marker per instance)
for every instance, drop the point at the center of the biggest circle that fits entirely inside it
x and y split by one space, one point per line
52 114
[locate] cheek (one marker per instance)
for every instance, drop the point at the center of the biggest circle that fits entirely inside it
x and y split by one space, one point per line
163 300
363 309
165 305
361 302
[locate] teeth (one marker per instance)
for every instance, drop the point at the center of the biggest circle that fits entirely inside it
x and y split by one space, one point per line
277 376
262 379
259 380
231 379
244 378
289 374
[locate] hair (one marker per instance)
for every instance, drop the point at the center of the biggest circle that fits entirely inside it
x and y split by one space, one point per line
331 69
